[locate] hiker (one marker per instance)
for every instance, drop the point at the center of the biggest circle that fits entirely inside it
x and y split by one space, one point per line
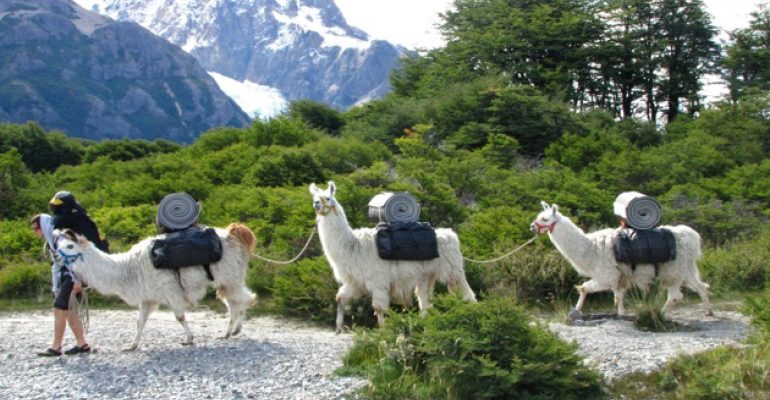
68 214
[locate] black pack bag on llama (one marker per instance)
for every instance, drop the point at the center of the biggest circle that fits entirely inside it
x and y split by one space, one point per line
406 241
648 246
193 246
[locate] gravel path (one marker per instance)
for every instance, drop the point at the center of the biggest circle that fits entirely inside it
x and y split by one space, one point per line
269 359
615 348
274 358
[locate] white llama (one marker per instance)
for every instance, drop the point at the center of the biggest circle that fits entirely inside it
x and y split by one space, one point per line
132 277
592 256
352 254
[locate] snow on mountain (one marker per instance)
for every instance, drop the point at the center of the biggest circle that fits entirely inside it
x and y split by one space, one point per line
309 19
257 100
303 48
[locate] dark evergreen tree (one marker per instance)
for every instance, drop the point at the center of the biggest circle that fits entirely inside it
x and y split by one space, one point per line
747 62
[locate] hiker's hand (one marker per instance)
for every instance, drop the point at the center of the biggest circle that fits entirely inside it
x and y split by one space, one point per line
76 287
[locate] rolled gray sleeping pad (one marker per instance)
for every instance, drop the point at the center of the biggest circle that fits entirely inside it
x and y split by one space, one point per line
639 210
177 211
394 207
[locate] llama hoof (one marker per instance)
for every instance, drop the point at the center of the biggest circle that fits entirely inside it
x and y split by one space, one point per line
187 343
575 314
129 350
709 313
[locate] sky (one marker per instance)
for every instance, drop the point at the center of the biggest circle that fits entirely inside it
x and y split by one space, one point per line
412 23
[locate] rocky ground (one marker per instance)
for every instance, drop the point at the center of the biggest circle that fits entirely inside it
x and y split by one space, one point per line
274 358
616 348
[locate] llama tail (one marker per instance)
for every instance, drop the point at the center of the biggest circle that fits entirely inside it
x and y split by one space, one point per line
243 235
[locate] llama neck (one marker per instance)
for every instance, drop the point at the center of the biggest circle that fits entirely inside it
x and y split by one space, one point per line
106 273
576 246
336 235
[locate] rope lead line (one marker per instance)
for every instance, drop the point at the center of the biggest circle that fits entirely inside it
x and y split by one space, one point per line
80 308
504 255
312 233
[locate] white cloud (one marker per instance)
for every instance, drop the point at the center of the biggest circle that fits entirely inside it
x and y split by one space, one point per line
410 23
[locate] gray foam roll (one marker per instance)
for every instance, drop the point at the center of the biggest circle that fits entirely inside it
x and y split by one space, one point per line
178 211
394 207
639 210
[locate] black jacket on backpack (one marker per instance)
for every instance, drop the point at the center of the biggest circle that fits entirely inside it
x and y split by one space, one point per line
69 214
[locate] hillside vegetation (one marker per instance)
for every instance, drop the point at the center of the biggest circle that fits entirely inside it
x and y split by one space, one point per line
479 134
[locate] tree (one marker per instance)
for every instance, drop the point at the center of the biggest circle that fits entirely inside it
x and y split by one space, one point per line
14 178
539 43
747 62
317 115
689 53
622 57
40 151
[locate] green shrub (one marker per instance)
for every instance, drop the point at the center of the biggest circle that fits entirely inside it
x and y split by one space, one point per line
126 224
535 274
17 239
469 351
24 280
740 266
307 289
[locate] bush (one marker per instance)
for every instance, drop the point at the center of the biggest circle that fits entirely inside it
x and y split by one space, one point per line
307 289
24 280
17 240
534 274
740 266
469 351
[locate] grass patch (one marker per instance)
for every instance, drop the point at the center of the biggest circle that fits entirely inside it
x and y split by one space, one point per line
722 373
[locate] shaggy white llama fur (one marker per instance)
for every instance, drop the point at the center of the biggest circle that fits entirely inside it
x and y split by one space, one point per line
132 277
592 256
352 254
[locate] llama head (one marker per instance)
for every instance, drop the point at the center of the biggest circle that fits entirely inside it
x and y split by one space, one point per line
546 220
69 247
323 200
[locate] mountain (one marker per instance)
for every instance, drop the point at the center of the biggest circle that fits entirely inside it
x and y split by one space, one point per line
90 76
303 48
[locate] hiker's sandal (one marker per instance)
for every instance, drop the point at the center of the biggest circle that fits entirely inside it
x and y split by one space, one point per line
50 352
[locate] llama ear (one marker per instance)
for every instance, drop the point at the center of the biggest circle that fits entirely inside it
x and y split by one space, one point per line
554 209
83 242
313 188
332 188
545 205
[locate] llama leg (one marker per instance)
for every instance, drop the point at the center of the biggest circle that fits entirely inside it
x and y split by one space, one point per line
619 296
145 309
232 306
590 286
179 314
344 295
237 299
703 291
462 285
674 296
380 303
422 290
